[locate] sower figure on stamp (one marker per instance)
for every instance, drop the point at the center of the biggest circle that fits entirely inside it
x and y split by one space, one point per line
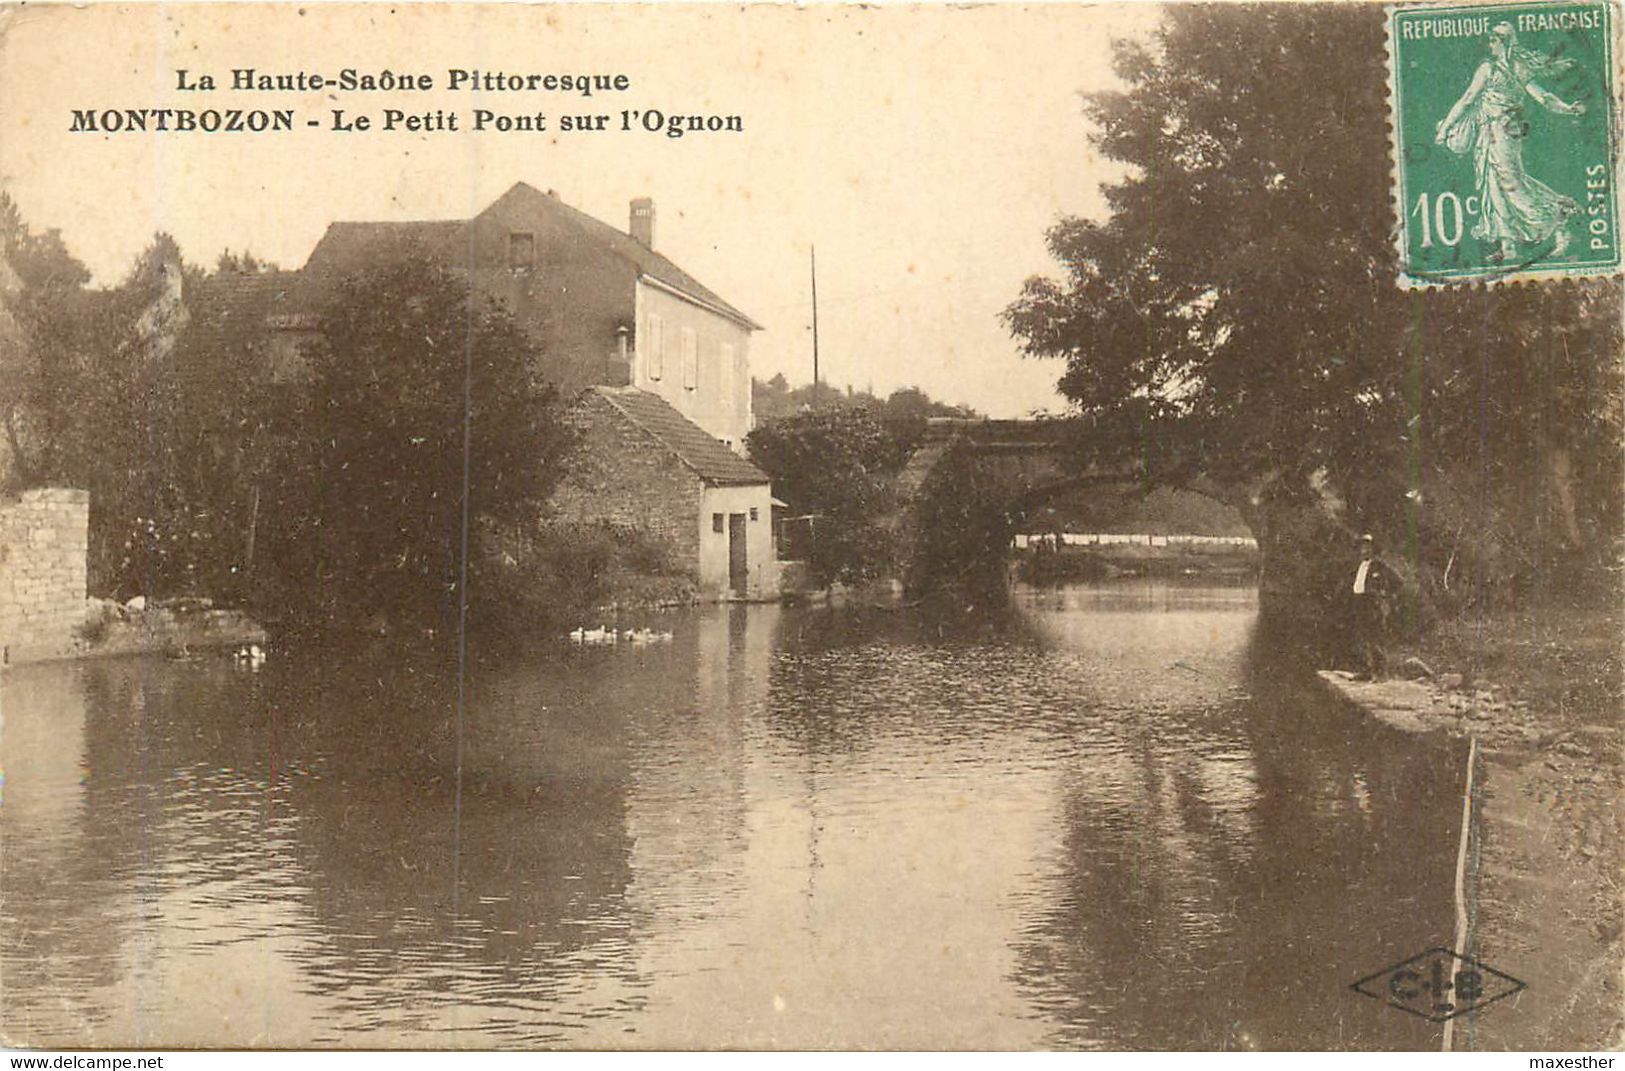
1372 589
1489 124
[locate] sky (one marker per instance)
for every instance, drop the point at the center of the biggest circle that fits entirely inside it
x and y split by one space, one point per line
923 151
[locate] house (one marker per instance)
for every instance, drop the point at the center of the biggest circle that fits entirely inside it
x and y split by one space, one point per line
603 307
659 365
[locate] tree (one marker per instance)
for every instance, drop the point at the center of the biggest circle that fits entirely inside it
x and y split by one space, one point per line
775 398
965 521
100 393
92 398
117 434
244 263
41 296
838 464
423 426
1238 311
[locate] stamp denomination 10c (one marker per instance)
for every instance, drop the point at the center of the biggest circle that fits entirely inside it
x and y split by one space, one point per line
1504 141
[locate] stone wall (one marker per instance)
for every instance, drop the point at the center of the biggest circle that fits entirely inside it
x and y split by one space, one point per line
621 475
43 536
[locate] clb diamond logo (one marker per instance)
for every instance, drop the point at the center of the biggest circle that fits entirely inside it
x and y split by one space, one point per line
1438 984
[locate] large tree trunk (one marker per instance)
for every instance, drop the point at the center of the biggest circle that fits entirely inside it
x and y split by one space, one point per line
1560 477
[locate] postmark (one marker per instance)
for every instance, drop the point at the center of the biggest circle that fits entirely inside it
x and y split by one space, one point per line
1438 985
1504 141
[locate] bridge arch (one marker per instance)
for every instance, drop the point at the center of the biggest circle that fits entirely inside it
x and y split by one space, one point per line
972 483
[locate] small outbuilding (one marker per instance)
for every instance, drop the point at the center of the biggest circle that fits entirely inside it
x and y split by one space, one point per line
642 465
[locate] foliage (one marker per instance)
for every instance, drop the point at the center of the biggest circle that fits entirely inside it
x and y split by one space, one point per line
838 465
41 288
244 263
912 403
133 419
557 574
774 398
344 493
103 396
39 258
424 416
1239 304
964 531
1131 508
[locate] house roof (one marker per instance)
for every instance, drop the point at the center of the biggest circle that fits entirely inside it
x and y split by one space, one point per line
647 261
710 460
349 246
229 310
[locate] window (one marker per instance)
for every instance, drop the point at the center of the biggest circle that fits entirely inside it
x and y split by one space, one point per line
691 359
753 513
716 523
521 251
656 362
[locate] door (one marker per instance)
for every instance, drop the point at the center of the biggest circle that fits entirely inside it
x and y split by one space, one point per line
738 565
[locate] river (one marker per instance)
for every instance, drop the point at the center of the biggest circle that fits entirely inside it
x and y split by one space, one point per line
1111 819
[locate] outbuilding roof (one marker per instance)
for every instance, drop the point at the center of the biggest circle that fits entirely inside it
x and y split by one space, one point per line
710 460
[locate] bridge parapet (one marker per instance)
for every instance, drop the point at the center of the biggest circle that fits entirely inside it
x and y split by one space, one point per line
1040 455
1043 433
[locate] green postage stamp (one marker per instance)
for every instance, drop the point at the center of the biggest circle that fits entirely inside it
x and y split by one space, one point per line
1504 124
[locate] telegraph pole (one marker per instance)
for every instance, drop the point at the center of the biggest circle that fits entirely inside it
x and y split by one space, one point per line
815 321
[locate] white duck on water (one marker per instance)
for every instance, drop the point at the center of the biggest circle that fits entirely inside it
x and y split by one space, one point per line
601 634
608 634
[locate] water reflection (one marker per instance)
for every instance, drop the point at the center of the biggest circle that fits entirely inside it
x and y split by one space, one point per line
1111 819
1222 891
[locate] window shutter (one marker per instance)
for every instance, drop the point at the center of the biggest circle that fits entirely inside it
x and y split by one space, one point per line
657 347
725 355
691 359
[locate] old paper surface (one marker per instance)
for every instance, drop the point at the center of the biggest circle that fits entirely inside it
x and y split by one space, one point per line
844 120
885 656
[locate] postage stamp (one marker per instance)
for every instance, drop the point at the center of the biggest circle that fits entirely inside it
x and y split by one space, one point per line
1504 141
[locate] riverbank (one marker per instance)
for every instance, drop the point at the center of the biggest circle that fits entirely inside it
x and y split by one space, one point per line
112 629
1540 688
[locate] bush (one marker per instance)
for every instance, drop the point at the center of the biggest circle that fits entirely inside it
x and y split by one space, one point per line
555 575
965 528
840 465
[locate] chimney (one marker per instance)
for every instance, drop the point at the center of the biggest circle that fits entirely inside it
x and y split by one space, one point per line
642 226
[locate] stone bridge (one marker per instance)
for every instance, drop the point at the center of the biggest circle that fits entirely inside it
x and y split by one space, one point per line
1035 459
1029 461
